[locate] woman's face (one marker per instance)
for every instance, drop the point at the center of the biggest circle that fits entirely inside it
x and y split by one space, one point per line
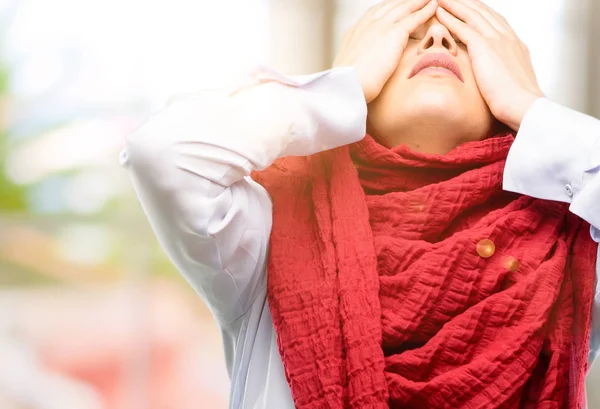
439 108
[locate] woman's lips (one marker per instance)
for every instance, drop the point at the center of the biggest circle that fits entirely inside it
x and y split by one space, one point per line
439 61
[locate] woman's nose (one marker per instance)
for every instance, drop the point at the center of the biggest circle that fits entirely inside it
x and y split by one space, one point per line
438 36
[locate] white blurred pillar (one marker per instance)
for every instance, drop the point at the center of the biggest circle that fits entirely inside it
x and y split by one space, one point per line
574 53
593 73
300 35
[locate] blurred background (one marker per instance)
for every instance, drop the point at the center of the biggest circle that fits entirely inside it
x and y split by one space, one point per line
92 314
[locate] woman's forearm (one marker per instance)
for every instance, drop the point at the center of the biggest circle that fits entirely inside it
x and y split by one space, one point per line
190 165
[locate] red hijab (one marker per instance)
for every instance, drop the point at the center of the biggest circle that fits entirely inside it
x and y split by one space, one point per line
405 280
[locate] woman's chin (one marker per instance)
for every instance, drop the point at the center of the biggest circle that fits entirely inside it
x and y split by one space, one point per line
437 102
427 107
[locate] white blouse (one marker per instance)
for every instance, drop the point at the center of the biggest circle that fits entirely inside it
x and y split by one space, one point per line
190 167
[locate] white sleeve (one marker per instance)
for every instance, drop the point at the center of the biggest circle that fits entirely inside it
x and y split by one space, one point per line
190 167
556 156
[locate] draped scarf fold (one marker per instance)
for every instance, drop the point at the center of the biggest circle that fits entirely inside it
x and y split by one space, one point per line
405 280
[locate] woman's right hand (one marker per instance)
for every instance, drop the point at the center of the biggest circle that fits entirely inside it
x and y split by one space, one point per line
373 46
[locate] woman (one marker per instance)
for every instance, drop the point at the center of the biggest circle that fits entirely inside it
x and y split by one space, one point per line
402 271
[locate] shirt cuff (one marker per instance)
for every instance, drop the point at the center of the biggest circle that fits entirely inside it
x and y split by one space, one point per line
556 156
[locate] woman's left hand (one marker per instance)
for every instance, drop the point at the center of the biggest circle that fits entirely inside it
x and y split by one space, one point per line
501 62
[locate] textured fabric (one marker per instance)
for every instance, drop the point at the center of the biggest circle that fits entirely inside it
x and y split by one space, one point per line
380 298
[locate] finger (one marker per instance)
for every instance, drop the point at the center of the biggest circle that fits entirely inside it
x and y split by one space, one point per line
464 32
379 9
493 17
402 8
371 14
366 19
386 6
470 16
411 22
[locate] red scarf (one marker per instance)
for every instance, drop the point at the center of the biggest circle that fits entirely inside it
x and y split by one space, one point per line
404 280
